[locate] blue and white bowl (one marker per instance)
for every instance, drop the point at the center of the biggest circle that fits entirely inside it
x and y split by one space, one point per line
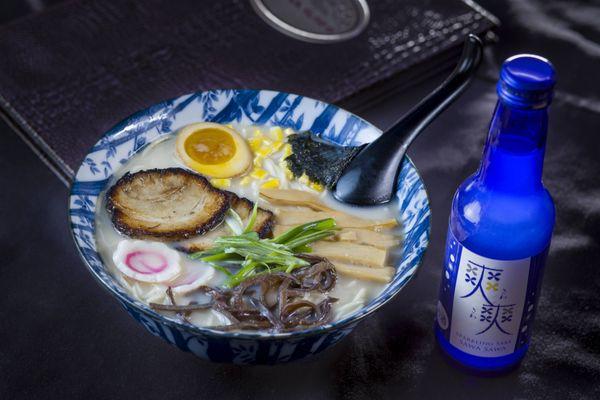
248 107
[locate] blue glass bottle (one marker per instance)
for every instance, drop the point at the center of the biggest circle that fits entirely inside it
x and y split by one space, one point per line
500 229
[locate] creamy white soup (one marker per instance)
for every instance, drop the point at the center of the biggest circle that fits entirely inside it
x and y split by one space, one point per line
359 243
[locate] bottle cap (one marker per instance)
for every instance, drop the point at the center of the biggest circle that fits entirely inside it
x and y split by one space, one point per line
526 81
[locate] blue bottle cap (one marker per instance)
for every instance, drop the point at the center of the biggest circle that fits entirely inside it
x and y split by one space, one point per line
526 81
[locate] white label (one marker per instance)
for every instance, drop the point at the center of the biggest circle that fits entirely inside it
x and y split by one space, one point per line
488 304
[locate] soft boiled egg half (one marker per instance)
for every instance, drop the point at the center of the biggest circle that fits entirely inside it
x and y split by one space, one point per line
214 150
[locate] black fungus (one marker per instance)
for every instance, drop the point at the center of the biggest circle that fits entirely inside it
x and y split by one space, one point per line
272 301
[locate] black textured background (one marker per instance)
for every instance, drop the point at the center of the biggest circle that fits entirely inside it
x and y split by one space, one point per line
67 77
62 336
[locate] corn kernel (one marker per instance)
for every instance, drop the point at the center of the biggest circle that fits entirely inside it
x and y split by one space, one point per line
284 167
272 183
257 133
277 133
245 181
288 174
316 186
230 126
264 151
258 160
276 146
221 183
255 143
287 150
304 179
259 173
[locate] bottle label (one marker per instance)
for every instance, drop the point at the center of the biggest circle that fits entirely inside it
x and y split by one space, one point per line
487 306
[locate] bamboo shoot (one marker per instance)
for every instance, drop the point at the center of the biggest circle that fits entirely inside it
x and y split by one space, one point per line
383 275
359 236
291 197
365 236
297 216
351 253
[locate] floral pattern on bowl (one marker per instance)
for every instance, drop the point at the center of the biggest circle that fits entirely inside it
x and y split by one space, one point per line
248 107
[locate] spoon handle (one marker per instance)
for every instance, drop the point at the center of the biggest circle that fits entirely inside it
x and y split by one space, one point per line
407 128
370 178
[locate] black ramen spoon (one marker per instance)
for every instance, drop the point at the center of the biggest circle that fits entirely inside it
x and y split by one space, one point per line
371 175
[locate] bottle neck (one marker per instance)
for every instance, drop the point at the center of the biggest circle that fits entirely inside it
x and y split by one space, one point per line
513 156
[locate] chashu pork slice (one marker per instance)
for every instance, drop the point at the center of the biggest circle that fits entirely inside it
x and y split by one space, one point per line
165 204
243 207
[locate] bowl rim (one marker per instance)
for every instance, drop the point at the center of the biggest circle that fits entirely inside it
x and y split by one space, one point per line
375 304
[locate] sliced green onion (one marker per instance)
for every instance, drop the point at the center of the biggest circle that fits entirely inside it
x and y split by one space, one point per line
327 223
253 256
234 222
252 219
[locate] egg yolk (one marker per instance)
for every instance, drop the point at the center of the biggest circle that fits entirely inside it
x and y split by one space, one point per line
210 146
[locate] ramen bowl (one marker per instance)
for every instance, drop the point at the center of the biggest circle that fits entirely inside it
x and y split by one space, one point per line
245 107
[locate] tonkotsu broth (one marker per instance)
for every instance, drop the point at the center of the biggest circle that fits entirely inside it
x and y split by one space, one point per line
352 294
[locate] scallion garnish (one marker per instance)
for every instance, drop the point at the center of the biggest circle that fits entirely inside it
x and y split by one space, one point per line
250 255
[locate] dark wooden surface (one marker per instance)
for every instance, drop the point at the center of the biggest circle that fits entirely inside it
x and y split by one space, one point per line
62 336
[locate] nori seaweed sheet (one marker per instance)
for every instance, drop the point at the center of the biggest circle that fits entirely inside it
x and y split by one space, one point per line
323 162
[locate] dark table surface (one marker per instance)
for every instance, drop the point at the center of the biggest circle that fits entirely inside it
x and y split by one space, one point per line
62 336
